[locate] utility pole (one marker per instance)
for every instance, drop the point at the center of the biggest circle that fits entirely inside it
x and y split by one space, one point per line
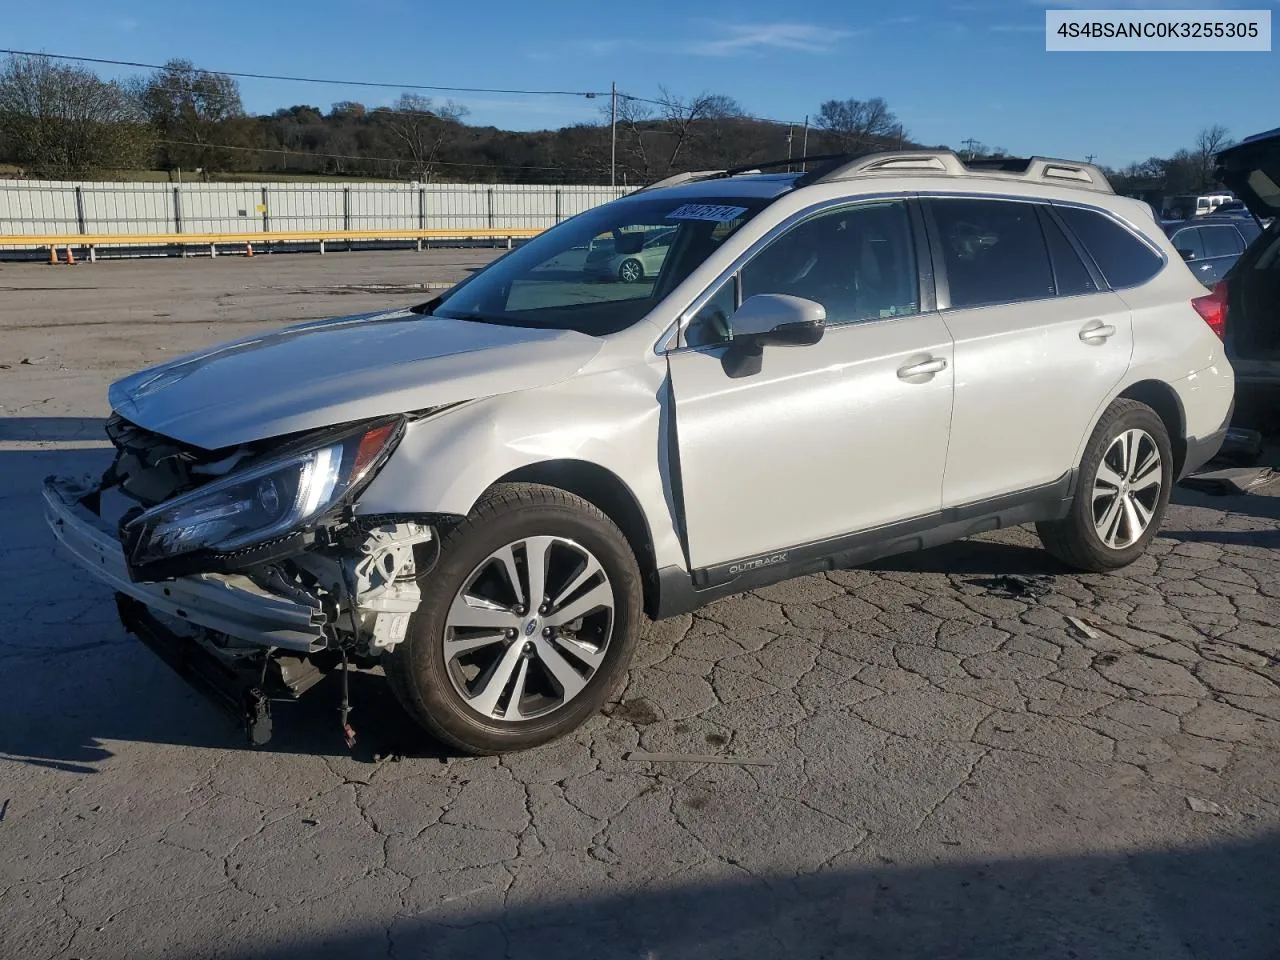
804 146
790 131
970 143
613 134
1089 157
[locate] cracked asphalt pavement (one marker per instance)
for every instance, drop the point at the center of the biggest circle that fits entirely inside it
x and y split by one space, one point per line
966 752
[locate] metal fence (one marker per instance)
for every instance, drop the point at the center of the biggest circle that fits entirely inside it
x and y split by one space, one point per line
44 209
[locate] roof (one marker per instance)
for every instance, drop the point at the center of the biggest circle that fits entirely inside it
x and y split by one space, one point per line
1039 171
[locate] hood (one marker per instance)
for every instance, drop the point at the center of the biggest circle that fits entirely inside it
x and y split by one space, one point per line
334 371
1252 170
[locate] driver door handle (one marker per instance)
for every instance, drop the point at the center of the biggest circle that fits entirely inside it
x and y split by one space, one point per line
1097 332
923 368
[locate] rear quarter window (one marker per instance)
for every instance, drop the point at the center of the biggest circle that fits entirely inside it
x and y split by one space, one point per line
1123 259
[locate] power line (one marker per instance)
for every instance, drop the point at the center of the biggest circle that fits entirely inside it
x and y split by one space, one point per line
590 94
435 88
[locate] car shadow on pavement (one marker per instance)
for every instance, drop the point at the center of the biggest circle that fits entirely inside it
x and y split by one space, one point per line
1216 902
126 695
78 682
1262 505
52 429
974 557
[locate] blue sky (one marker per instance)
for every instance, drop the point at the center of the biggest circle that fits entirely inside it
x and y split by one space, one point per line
950 69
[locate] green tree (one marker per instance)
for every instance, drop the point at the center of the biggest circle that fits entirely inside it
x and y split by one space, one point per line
196 115
61 120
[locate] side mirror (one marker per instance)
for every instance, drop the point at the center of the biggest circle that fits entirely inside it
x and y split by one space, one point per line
771 319
779 319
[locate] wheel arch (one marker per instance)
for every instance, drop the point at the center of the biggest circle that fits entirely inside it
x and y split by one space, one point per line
1160 397
1164 400
605 490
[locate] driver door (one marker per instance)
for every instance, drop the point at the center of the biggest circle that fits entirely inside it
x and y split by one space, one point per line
828 439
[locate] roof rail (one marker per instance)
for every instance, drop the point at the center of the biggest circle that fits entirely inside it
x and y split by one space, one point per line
678 178
1069 173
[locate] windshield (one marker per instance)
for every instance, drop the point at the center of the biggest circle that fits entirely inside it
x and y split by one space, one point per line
603 270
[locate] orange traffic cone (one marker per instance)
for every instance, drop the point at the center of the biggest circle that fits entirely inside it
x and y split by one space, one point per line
71 258
248 249
53 254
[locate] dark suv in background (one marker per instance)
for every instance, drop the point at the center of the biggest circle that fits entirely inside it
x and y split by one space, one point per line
1213 243
1249 297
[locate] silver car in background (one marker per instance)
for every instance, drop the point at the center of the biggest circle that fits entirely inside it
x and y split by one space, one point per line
630 257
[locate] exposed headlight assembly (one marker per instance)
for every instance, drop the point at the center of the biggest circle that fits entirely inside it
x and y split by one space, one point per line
261 503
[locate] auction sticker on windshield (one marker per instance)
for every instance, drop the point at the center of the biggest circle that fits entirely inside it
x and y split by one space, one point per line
714 212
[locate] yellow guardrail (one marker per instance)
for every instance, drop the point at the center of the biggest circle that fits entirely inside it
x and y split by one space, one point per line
276 236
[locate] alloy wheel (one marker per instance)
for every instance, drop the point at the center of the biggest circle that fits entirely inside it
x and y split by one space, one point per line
529 628
1126 489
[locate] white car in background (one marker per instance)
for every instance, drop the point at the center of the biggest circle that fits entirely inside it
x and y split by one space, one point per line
487 494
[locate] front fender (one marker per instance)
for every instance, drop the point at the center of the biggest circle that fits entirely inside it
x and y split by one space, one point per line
618 420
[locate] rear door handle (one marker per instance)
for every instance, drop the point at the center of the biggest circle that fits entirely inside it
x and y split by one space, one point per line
1097 332
925 368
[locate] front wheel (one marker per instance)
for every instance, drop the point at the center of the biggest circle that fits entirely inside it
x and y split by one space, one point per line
1122 492
527 622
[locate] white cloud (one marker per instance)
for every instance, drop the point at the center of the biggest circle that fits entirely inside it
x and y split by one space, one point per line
743 38
727 40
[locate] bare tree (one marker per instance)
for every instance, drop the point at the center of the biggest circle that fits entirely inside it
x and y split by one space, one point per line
421 128
858 125
1208 143
194 112
635 122
693 118
60 119
652 138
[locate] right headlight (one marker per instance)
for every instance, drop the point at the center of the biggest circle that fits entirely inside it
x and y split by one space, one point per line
261 503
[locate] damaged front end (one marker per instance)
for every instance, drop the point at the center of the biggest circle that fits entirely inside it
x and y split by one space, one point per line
247 570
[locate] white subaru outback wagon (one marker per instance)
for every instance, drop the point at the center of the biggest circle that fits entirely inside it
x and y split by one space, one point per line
488 493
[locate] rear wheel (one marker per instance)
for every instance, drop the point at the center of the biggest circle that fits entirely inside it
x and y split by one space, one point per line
1122 492
630 271
527 622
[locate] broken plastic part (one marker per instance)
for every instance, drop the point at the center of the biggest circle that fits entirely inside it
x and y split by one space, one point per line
380 582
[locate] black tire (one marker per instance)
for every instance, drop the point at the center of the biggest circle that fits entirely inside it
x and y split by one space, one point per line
632 267
417 669
1075 540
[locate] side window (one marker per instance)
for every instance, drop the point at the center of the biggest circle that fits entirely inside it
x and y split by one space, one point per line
710 325
1188 243
1248 230
1221 242
858 262
1125 261
994 251
1069 273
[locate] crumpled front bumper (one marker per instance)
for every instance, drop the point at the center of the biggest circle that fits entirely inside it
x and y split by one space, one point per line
229 604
